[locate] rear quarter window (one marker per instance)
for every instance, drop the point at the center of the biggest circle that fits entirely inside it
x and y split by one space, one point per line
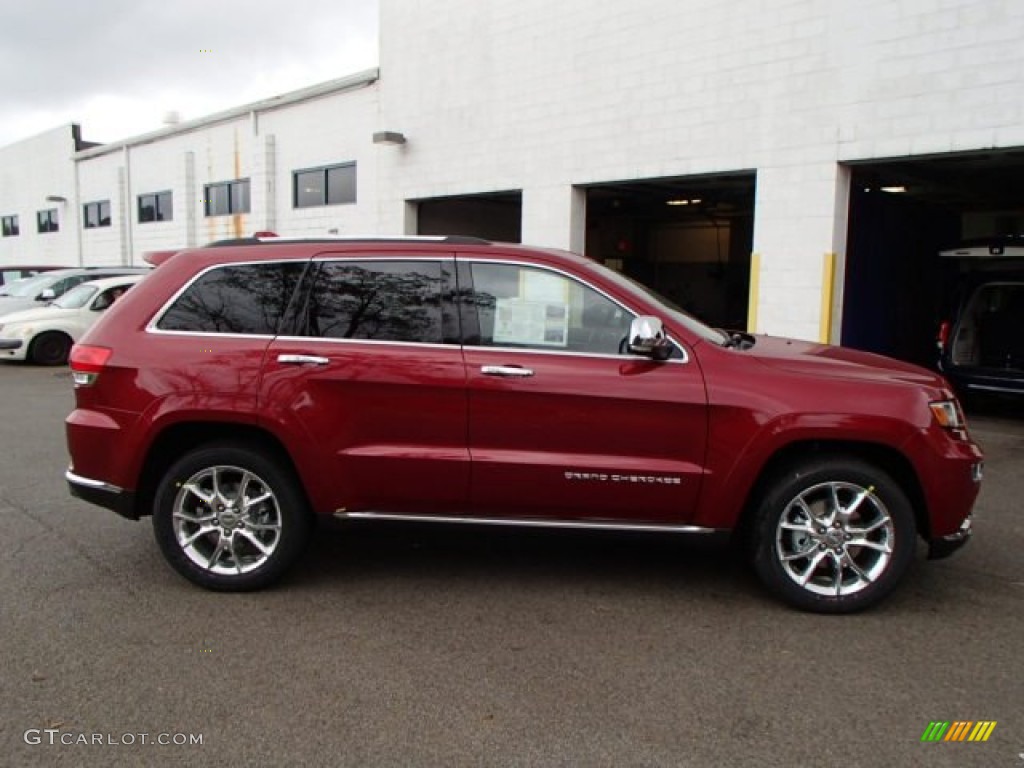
246 299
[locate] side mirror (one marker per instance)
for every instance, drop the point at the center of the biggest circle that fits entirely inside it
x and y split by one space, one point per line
647 337
47 295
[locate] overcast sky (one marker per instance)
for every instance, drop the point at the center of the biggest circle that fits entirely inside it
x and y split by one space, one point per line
116 67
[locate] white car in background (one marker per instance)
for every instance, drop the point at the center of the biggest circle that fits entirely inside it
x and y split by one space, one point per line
44 335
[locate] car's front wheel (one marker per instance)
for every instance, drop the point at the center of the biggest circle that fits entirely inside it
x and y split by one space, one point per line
833 535
230 518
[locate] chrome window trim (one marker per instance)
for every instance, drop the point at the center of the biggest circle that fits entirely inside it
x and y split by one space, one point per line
594 525
622 358
151 327
211 334
376 342
322 257
470 260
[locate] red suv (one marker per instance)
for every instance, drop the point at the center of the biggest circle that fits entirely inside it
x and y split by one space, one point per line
250 386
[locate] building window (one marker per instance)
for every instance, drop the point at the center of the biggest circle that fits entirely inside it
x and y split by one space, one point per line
97 214
10 225
155 207
331 185
46 221
227 197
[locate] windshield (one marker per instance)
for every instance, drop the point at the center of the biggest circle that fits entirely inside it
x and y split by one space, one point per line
673 313
76 298
29 287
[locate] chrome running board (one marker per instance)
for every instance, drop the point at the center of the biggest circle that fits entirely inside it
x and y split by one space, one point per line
596 525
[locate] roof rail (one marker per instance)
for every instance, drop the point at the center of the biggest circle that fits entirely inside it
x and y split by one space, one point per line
454 239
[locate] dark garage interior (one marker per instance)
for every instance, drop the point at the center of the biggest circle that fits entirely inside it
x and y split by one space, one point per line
689 239
494 216
903 212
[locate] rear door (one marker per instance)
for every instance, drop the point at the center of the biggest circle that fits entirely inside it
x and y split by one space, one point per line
561 423
369 380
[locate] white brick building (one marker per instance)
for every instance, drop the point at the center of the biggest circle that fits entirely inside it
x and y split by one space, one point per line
546 110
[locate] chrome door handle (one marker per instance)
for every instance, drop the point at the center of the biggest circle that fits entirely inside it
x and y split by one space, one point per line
302 360
513 371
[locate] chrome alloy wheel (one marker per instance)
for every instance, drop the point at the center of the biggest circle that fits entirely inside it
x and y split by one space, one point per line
835 538
226 520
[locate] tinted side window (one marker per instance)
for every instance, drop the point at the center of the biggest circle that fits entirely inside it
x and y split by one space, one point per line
237 298
518 306
377 300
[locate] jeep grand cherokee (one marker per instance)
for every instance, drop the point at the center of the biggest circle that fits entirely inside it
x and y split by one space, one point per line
247 387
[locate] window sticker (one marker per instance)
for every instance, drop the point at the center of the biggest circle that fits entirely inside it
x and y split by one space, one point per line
537 323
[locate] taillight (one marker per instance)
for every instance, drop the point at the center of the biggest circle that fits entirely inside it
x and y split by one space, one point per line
87 363
943 338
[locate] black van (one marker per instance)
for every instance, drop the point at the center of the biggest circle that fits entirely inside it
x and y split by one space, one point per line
981 339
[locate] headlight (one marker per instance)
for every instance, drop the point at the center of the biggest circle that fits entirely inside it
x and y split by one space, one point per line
948 414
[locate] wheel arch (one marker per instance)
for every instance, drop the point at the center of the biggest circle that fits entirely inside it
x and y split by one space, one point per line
888 459
177 439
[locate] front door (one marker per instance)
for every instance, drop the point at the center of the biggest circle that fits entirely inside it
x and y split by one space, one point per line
562 425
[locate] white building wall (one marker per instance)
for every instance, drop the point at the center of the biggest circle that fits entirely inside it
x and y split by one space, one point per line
30 171
264 147
531 95
321 132
100 180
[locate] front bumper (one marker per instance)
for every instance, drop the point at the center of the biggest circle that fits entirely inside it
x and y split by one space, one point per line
102 494
12 349
944 546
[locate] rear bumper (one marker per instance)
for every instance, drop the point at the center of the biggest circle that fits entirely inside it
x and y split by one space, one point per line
102 494
944 546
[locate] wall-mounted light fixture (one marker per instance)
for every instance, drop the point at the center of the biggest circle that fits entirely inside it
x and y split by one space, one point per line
56 199
388 137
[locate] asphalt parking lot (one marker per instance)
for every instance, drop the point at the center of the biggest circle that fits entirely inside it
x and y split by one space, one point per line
401 646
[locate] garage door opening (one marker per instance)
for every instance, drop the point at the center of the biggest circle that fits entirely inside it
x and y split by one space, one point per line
903 212
687 238
495 216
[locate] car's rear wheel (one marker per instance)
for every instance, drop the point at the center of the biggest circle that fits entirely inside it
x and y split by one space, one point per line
833 535
50 348
230 518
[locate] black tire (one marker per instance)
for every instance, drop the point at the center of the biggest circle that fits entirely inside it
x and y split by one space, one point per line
50 348
845 566
218 542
